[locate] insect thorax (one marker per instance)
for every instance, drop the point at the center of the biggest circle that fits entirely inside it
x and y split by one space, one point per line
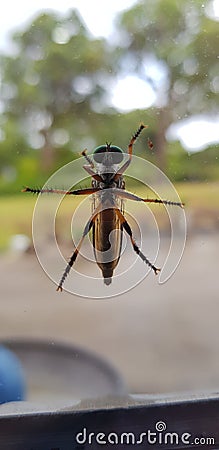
108 181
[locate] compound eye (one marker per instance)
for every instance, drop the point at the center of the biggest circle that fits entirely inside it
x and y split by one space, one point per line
99 154
107 154
117 154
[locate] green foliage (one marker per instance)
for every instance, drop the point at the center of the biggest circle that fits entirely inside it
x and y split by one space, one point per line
55 89
184 41
198 166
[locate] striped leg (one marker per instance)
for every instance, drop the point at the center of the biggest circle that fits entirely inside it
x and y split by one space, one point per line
130 148
127 228
61 191
130 196
87 228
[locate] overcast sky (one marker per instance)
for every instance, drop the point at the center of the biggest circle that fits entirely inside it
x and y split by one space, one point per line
97 14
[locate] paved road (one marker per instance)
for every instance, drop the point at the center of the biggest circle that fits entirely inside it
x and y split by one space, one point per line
161 338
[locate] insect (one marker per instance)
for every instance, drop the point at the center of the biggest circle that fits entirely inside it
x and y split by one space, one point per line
108 189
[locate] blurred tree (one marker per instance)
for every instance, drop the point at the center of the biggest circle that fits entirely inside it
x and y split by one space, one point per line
172 45
56 86
53 83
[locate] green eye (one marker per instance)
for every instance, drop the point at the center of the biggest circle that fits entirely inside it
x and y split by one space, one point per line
115 152
99 153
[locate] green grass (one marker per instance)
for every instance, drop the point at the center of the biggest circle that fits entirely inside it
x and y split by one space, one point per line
199 194
16 212
16 215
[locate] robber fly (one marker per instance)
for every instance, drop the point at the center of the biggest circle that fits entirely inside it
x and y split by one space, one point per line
108 190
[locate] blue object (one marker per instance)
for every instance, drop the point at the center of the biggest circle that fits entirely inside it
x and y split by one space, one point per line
12 380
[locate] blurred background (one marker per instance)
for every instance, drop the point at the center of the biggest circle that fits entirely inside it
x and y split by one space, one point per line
76 75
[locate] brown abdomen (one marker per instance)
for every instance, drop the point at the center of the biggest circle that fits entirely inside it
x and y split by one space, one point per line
107 242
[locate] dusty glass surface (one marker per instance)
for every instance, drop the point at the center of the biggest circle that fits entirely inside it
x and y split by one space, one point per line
69 82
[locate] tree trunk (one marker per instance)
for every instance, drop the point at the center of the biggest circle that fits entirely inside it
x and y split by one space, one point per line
160 139
47 153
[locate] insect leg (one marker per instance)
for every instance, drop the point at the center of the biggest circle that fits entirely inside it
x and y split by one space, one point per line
87 228
90 167
92 173
130 196
130 148
127 228
61 191
88 159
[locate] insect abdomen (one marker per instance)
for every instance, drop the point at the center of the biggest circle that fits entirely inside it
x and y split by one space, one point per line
107 242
